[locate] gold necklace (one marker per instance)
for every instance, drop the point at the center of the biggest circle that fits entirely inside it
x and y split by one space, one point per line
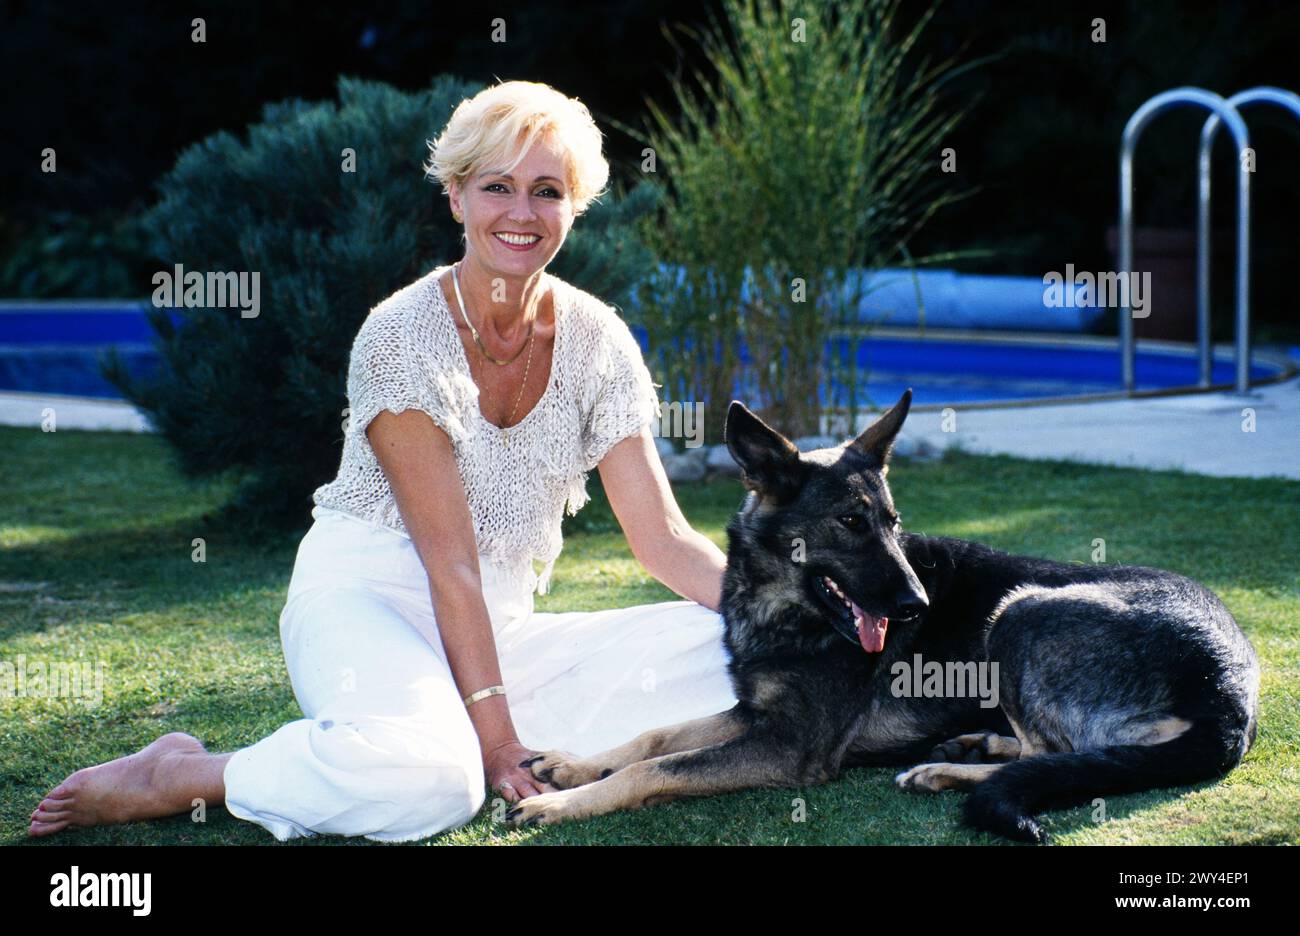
505 430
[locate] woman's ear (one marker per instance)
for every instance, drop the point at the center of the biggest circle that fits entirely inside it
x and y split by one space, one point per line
453 195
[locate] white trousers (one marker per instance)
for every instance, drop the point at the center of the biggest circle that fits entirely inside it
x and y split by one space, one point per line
386 749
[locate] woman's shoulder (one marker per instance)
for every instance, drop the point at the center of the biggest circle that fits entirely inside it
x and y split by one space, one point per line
405 315
598 321
413 299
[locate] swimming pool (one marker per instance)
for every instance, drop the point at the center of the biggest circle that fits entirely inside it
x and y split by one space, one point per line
55 348
968 368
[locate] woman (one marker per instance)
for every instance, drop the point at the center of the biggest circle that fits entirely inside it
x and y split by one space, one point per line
480 396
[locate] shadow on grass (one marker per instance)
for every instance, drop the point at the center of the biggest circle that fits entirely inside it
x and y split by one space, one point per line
138 570
863 807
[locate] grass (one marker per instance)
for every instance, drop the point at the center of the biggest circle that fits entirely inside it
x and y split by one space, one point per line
96 538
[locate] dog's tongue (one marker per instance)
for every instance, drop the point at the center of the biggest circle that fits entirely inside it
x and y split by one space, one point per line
871 630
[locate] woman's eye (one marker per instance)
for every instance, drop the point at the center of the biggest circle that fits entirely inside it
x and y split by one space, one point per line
499 185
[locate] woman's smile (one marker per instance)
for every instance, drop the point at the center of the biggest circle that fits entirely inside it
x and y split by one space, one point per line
517 241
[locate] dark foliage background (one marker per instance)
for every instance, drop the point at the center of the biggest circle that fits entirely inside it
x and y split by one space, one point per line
1042 143
118 90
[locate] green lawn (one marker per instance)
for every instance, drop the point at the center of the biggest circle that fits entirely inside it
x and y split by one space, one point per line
95 544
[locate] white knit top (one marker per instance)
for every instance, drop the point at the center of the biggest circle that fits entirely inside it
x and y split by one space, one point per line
408 355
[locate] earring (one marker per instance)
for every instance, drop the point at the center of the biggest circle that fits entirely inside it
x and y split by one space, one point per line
458 218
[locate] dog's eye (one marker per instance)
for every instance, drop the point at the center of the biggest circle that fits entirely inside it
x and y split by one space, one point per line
852 521
895 521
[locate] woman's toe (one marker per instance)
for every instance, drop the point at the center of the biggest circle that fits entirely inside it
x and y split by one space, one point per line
46 828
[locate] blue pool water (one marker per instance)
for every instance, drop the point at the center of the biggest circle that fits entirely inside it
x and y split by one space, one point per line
942 370
56 347
57 351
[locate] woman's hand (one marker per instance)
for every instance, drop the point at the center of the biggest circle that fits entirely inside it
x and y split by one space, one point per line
506 777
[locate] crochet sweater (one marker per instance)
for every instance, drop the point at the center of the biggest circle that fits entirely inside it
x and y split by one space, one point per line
408 355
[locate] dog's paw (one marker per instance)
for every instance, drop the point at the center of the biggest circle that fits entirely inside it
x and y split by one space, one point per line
923 778
564 771
980 747
934 778
542 809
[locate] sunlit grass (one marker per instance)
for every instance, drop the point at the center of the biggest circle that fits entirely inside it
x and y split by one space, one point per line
95 566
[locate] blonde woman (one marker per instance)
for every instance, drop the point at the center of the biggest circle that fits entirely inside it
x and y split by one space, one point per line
480 397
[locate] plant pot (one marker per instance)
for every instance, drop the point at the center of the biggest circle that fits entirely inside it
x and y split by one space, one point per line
1169 255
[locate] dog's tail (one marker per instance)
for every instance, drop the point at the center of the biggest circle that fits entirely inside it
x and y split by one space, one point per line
1007 801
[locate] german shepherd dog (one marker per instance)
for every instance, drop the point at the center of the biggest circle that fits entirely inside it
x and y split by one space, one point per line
1110 679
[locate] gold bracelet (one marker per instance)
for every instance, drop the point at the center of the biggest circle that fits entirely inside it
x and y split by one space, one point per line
483 694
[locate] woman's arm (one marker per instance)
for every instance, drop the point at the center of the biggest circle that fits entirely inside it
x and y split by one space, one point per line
417 459
660 537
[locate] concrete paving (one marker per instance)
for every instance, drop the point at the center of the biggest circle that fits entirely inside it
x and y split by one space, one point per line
1221 434
70 412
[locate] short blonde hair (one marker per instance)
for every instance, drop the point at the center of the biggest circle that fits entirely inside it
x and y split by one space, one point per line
495 128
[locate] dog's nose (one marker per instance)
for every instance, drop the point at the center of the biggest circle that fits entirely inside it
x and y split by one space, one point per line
910 603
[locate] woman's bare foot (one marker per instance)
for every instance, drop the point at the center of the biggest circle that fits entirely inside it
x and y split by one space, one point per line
161 779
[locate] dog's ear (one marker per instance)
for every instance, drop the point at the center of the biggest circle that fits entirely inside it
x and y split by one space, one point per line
877 439
769 461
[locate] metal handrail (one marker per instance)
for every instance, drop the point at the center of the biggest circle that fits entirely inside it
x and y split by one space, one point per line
1132 133
1260 95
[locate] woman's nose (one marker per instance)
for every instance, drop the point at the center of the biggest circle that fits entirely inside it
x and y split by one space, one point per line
521 209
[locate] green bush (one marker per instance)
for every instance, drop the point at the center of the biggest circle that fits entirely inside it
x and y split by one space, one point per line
813 147
263 398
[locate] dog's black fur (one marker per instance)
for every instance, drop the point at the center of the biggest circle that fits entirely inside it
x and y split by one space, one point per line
1093 659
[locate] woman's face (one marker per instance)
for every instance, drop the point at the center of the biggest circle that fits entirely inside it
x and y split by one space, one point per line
514 224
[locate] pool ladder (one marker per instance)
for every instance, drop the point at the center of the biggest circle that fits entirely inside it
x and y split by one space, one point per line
1222 111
